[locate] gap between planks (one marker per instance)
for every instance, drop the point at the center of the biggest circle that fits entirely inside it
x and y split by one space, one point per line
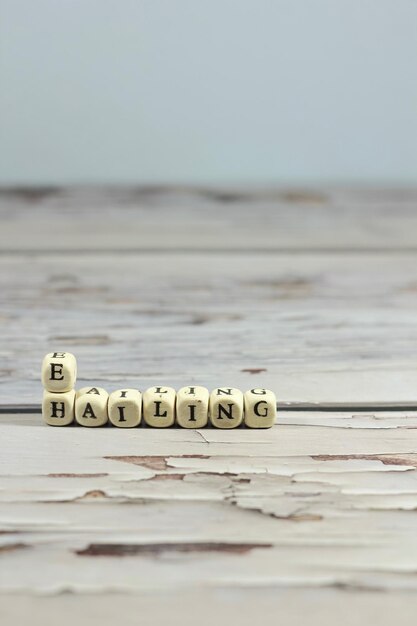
36 409
267 251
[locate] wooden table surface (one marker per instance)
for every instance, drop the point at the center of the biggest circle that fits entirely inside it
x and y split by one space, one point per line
310 293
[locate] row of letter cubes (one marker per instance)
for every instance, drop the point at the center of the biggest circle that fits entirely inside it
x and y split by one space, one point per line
161 407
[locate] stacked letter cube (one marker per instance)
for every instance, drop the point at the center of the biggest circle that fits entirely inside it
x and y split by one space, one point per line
59 373
160 407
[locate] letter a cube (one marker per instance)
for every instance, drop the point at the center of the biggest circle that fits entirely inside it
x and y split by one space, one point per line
91 407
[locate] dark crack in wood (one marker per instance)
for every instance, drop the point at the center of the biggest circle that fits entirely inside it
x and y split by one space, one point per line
385 459
155 549
64 475
11 547
158 463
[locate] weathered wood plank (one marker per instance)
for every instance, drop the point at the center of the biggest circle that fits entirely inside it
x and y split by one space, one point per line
175 510
93 219
313 296
293 435
224 606
318 328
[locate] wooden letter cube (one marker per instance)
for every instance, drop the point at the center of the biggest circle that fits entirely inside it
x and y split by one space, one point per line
226 407
159 406
192 407
59 371
58 408
125 408
91 406
260 408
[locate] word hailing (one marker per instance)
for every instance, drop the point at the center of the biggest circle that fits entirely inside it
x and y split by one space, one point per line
158 407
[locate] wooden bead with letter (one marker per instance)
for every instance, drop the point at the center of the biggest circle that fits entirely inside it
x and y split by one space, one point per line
260 408
159 406
226 407
59 371
91 406
192 407
125 408
58 408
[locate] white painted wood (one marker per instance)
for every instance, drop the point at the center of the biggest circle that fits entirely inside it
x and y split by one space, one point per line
149 510
314 297
248 605
325 328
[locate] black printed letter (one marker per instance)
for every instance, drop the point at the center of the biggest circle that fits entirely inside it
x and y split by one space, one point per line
55 410
121 413
228 413
56 368
256 409
88 412
157 407
192 408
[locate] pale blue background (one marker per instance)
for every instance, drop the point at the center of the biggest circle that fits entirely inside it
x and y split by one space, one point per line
213 91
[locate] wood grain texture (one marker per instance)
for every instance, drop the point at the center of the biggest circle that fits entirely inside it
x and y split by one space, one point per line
324 328
314 296
270 605
300 505
184 218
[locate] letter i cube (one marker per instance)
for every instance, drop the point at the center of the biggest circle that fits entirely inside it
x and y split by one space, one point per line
125 408
192 407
